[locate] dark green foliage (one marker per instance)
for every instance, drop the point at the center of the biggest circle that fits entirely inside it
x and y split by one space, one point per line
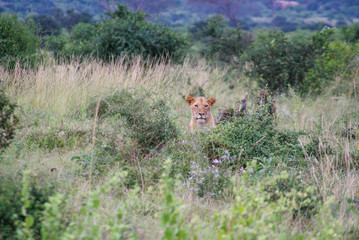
73 17
305 196
11 205
350 33
280 62
222 42
339 59
251 136
18 41
8 120
80 43
52 24
48 25
126 33
147 118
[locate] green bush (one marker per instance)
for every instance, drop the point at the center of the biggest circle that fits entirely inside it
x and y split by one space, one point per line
126 33
12 204
304 197
56 44
337 60
244 137
78 44
8 120
18 41
147 118
279 62
350 33
221 42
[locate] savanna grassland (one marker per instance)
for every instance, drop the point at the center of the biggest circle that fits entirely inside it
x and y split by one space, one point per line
78 173
94 140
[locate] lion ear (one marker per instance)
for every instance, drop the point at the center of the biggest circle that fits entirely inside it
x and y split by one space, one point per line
189 100
212 101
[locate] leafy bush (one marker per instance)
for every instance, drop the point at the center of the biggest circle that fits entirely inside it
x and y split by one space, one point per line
244 137
8 120
338 60
221 42
350 33
78 44
91 222
126 33
172 219
18 41
48 25
147 118
305 197
12 203
256 215
280 62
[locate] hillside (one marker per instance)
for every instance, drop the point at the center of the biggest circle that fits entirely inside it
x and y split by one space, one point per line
259 13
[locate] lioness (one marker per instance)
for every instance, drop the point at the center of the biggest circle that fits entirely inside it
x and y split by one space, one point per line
201 112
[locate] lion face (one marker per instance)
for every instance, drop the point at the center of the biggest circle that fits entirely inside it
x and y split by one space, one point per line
200 107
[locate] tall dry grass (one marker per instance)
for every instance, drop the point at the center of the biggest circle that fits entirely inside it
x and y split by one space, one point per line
62 87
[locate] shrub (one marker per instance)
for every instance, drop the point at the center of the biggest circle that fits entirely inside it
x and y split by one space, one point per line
147 118
12 202
350 33
78 44
90 222
221 42
338 60
243 137
172 219
47 24
8 120
279 62
126 33
19 42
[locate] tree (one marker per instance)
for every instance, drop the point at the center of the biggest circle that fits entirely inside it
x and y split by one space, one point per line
18 41
47 24
228 8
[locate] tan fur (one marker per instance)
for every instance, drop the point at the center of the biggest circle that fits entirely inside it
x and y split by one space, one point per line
201 112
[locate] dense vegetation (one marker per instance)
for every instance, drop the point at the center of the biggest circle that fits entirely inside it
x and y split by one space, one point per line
94 139
125 33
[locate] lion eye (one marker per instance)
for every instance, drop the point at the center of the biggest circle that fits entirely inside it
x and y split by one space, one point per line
196 106
206 106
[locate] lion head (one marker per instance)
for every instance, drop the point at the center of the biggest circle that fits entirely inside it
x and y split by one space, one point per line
201 108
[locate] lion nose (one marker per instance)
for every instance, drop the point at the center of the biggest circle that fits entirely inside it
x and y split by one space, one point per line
201 113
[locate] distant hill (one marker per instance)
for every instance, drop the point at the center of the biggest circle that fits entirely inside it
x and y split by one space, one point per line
287 15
